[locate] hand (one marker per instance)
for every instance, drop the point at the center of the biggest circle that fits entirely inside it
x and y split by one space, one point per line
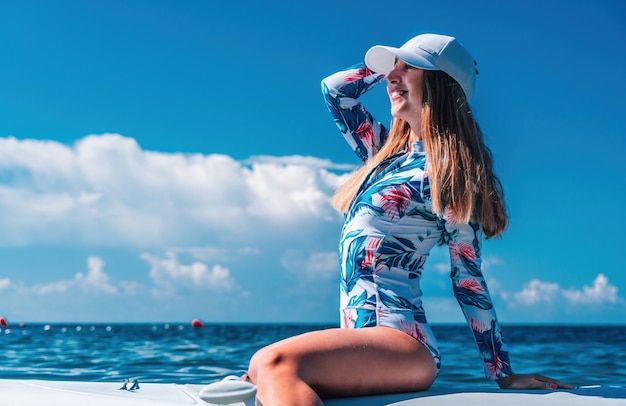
531 381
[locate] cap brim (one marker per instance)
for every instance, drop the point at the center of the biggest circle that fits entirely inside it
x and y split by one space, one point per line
381 59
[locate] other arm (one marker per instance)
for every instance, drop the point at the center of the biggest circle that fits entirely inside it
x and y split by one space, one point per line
472 294
464 243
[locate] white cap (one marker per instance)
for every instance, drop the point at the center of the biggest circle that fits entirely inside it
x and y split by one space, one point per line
431 52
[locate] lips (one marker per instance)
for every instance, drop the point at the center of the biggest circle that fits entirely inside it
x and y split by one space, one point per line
397 94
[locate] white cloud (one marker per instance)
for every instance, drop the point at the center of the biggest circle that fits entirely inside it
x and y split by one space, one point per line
285 193
601 291
298 160
106 189
96 280
537 292
169 275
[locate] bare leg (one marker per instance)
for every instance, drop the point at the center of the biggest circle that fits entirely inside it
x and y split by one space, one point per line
340 362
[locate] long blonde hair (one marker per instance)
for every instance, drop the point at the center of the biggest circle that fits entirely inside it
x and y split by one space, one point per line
461 165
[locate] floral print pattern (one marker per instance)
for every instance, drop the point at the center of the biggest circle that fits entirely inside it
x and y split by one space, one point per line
390 229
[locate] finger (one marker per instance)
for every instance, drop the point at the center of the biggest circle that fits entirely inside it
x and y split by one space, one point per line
549 383
538 383
563 385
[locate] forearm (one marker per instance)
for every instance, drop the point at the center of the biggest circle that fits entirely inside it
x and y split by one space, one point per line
470 290
341 91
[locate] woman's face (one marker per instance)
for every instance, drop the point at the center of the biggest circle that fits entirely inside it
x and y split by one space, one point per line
404 87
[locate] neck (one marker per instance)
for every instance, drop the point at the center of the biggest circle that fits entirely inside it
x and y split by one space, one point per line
415 136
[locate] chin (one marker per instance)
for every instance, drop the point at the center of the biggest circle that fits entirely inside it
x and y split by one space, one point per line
400 116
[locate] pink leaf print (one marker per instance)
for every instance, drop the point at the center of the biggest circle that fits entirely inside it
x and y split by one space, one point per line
370 252
494 367
467 250
449 216
358 74
365 133
454 253
419 332
408 328
477 325
395 202
471 284
348 321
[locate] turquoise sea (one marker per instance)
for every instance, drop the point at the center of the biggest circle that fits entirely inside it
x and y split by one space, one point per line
179 353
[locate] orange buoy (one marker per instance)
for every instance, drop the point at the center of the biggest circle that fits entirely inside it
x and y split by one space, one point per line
196 323
3 321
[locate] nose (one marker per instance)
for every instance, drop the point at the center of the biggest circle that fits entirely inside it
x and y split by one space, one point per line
394 75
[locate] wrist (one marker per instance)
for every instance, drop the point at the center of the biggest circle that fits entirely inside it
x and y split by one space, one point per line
505 381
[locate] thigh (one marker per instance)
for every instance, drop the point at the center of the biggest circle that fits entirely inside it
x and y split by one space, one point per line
353 362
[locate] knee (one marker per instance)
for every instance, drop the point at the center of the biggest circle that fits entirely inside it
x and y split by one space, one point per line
254 365
424 381
269 361
274 358
423 378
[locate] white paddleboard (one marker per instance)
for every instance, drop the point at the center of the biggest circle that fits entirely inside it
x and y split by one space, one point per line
71 393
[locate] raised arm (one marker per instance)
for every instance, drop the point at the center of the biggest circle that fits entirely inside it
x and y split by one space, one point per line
341 91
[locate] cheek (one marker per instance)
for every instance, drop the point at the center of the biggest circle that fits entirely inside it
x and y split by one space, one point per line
416 93
416 99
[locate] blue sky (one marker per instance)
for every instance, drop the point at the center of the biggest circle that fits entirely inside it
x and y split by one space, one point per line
162 160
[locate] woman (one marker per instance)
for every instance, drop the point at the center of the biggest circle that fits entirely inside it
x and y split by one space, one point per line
427 181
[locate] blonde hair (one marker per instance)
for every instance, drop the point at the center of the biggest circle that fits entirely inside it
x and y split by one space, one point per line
461 165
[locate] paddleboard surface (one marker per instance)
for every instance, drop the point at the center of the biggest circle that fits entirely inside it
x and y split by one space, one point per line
71 393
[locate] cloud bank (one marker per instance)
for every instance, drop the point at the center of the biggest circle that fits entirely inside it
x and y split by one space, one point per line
106 190
206 227
537 292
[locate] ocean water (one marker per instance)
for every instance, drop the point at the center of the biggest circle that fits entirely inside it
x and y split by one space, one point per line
178 353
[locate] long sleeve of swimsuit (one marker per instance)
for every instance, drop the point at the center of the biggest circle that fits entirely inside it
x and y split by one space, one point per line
391 222
341 92
470 290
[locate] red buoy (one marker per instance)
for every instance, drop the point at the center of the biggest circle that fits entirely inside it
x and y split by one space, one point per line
196 323
3 321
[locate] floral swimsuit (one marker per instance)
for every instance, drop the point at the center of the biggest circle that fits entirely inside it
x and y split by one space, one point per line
390 229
